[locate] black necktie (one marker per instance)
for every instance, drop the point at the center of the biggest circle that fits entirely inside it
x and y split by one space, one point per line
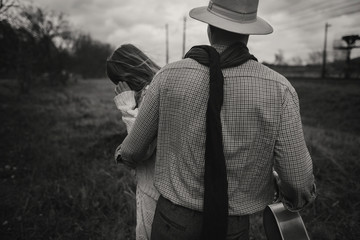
215 211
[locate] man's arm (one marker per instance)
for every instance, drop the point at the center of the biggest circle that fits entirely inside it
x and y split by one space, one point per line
292 159
135 147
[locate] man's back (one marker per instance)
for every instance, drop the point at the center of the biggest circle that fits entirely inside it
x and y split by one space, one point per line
260 129
261 126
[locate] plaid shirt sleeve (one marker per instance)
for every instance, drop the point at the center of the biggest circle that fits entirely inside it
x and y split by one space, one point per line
136 145
292 159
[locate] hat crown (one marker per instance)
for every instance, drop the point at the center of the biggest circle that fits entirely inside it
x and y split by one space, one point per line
239 6
238 16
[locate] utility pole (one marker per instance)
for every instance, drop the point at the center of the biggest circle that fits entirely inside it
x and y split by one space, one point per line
184 37
323 72
167 43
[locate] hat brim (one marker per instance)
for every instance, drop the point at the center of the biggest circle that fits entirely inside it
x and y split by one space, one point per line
257 27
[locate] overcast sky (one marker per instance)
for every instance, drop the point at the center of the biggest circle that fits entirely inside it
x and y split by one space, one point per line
298 24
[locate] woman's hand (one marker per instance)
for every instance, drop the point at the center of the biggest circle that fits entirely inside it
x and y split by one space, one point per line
122 87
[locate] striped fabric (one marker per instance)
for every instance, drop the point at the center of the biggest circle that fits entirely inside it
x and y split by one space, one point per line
261 128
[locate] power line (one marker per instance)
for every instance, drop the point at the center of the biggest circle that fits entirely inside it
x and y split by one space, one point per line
314 21
301 6
351 11
326 5
325 11
311 11
307 15
308 9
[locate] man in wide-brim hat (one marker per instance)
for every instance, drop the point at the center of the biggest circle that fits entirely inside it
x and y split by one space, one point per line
233 16
223 122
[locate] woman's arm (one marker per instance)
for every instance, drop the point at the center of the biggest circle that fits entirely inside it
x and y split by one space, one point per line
125 102
134 148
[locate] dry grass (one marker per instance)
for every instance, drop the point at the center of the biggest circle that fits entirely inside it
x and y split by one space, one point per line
331 114
58 179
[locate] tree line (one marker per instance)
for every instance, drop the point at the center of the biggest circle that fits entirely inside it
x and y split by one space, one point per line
38 45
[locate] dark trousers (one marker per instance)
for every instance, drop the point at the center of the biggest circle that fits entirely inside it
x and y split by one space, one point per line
174 222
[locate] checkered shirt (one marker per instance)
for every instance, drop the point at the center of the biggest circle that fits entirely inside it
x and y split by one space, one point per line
261 129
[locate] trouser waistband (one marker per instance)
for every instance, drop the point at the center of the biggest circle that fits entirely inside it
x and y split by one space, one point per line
172 205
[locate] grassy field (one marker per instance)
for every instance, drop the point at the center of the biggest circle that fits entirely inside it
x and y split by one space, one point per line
58 179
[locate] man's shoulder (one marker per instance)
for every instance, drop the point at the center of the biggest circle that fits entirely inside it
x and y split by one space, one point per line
261 71
186 63
184 67
250 68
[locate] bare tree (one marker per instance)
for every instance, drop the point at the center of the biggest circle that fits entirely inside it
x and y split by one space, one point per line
38 46
90 56
6 5
279 58
315 58
297 61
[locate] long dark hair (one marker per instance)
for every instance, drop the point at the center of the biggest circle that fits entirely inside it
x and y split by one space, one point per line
130 64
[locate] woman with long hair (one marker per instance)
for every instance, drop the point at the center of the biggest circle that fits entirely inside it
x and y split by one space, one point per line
132 71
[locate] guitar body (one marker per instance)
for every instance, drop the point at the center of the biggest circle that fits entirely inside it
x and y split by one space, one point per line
281 224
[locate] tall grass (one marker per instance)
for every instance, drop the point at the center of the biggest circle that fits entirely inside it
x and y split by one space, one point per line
58 179
331 114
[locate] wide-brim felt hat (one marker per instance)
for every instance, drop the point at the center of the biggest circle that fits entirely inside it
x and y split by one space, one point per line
238 16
